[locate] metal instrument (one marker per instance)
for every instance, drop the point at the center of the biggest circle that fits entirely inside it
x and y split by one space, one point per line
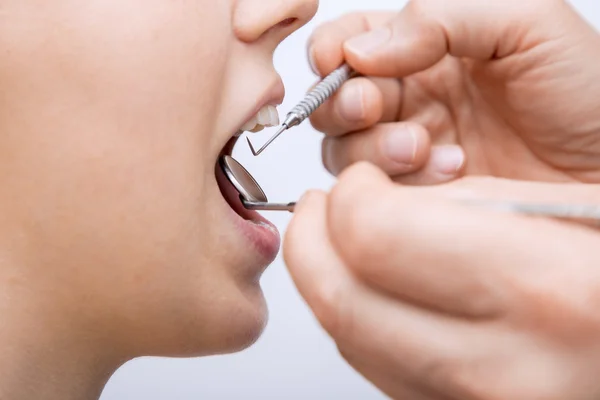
251 194
312 101
254 198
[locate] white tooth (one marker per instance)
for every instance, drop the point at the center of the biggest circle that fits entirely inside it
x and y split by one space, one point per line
268 116
257 128
274 116
264 116
248 126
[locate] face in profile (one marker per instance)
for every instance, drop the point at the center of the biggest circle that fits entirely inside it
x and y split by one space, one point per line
113 116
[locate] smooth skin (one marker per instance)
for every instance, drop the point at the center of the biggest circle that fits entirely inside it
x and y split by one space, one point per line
116 241
427 298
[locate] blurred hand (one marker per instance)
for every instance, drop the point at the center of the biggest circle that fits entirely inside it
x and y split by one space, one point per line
505 88
433 300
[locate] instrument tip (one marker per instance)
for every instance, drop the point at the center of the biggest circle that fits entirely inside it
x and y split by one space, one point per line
255 152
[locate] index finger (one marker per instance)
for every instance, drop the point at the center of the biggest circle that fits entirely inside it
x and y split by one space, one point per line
326 45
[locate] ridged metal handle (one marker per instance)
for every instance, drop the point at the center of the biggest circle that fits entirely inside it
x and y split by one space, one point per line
313 100
316 97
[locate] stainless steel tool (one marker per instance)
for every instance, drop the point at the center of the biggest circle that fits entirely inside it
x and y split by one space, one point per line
251 194
254 198
311 102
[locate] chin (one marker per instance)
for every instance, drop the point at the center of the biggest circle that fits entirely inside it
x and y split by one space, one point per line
248 328
243 325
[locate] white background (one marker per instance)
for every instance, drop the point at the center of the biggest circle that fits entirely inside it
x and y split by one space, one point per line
294 359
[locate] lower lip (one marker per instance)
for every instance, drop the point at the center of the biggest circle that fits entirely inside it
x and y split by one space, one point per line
260 233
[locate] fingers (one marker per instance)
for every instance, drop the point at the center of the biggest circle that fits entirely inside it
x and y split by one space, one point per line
320 276
436 253
357 105
325 48
425 31
360 318
396 148
445 164
402 150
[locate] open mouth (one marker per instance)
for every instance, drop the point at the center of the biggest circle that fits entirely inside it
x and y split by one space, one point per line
266 117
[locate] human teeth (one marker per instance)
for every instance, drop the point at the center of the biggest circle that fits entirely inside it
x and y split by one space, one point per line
250 124
267 116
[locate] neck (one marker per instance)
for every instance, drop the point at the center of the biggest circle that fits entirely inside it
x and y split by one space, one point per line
44 356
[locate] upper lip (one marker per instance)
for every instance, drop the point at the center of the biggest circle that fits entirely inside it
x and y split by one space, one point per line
273 96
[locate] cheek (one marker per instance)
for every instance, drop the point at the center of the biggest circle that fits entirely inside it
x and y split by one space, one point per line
106 141
118 121
152 75
114 207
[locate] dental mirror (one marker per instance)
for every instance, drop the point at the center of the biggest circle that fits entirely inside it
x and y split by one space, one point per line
251 194
254 198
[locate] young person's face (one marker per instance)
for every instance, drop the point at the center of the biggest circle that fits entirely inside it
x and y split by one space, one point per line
113 114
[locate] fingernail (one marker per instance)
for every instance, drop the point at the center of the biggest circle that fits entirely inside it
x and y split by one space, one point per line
401 146
311 60
369 42
351 104
448 159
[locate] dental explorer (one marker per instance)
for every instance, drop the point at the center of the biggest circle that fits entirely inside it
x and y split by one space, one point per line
311 102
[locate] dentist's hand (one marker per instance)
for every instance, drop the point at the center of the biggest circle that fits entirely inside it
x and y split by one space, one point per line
513 86
432 300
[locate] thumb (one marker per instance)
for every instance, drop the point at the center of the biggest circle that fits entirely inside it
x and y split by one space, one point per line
426 31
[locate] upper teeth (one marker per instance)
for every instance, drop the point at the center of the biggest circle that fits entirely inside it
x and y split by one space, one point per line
266 117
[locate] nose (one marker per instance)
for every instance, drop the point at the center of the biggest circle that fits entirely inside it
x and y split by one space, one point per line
275 19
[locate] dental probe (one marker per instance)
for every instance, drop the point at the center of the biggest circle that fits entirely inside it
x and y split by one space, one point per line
312 101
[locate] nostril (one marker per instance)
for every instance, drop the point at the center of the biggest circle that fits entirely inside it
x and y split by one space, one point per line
287 22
